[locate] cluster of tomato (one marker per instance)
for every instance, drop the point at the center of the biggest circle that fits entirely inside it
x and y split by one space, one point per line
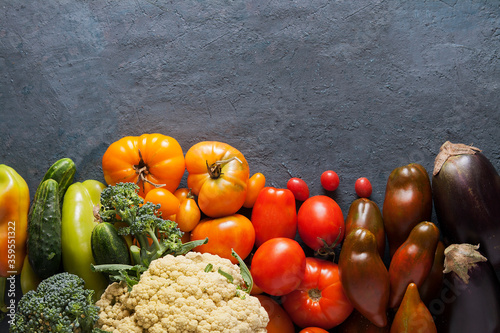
239 212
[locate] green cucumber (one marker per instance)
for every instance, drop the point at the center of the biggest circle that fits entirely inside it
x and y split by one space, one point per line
63 171
107 246
44 230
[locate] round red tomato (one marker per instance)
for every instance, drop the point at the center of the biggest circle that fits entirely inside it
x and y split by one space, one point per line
278 266
330 180
319 301
279 320
363 187
320 221
225 233
299 188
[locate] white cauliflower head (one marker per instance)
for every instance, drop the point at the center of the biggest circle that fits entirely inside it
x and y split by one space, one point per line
184 293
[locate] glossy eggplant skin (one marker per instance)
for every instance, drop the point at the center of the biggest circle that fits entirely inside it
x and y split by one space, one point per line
466 193
469 308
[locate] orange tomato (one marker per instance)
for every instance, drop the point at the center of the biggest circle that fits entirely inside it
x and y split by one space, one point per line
182 193
256 183
150 160
188 216
224 234
218 175
279 320
169 204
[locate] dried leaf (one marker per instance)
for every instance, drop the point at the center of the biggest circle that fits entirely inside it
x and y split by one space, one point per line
460 258
451 149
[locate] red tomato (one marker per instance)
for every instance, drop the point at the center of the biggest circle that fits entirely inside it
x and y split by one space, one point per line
274 214
319 301
225 233
330 180
320 220
313 330
279 320
254 185
363 187
278 266
299 188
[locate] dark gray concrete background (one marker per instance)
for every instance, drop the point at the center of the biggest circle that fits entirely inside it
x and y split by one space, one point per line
360 87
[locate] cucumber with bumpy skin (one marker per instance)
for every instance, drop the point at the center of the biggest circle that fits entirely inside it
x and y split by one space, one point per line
107 246
63 172
44 230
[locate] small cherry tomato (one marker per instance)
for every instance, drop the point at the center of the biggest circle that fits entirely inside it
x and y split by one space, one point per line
363 187
182 193
279 320
278 266
313 330
254 185
189 215
169 204
330 180
299 188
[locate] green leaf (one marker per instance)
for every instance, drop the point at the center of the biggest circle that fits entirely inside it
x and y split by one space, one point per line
228 276
245 272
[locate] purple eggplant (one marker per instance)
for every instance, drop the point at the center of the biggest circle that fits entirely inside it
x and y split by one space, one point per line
466 193
470 298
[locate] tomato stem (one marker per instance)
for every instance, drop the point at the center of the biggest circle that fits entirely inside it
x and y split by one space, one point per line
314 294
215 169
142 170
329 249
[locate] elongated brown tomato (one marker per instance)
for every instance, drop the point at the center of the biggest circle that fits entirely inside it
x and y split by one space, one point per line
365 213
357 323
431 287
408 201
466 190
364 276
413 260
413 316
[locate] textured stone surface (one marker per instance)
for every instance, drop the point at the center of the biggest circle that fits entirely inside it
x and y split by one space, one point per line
359 87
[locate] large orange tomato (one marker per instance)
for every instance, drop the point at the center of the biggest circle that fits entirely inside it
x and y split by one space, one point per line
224 234
279 320
149 160
217 174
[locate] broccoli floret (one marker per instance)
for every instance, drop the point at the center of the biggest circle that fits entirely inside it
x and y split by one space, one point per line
59 304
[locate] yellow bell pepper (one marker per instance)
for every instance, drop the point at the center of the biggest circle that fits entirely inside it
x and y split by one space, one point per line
14 207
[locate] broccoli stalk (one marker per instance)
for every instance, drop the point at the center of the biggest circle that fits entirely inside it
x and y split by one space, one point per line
156 237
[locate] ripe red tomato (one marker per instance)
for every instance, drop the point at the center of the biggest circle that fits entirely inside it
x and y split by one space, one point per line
363 187
274 214
320 300
225 233
320 220
313 330
279 320
330 180
278 266
299 188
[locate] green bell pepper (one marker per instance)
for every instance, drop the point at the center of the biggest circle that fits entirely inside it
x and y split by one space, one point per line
77 224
